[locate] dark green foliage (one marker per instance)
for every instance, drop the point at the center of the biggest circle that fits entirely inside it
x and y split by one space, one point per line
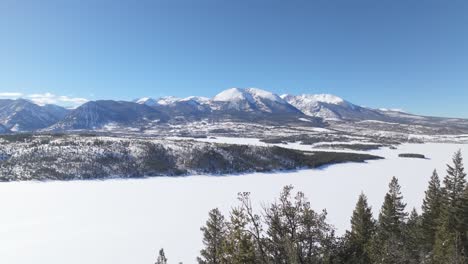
67 157
157 160
464 221
454 182
411 155
451 234
214 239
288 232
388 244
413 237
296 233
362 231
239 246
431 210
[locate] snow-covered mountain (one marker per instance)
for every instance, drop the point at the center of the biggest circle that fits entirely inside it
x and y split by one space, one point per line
234 99
252 100
147 101
57 111
258 106
24 115
332 107
235 104
182 109
248 106
96 114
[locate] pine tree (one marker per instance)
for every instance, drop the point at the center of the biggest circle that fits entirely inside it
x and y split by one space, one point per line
431 210
214 238
413 237
449 246
161 257
239 246
465 222
388 244
362 230
454 182
296 233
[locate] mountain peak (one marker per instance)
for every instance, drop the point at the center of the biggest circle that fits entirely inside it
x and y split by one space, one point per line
146 101
249 94
167 100
255 92
233 94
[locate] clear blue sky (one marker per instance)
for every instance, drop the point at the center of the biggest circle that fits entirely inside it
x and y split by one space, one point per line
405 54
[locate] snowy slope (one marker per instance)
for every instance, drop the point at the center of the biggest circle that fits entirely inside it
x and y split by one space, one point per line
332 107
147 101
252 100
96 114
23 115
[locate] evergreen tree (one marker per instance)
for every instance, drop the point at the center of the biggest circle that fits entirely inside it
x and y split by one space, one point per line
297 234
161 257
362 230
454 182
214 238
412 239
464 227
431 210
239 246
450 236
388 244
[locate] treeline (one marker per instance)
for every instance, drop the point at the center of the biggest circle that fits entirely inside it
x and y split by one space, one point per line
72 157
289 231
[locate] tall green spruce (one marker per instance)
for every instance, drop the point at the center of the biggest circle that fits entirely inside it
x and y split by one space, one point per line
413 237
388 244
465 220
214 239
431 211
362 230
451 232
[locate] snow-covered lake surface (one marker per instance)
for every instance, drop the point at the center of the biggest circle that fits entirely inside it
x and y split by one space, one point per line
127 221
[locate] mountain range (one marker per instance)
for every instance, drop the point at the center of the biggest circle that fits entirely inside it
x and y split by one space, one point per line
248 105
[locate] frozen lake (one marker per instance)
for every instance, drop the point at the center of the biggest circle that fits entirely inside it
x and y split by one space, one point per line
127 221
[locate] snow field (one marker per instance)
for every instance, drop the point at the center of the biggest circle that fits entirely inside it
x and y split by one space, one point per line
127 221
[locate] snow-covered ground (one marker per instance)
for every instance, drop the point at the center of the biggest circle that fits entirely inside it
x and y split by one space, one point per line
290 145
127 221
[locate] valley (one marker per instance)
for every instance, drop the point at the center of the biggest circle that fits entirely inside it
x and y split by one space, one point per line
127 220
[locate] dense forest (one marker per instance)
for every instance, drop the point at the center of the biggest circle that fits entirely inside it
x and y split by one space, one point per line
289 231
26 157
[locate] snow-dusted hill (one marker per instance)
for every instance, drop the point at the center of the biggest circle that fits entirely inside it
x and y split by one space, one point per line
23 115
96 114
332 107
68 157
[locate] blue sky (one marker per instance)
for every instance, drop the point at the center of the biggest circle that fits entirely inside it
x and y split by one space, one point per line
409 54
